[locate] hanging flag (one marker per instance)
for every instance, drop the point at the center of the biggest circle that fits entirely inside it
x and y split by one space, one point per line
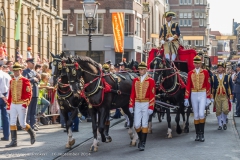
118 31
18 25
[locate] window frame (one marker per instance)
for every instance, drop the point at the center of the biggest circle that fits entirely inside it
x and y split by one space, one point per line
126 23
138 24
65 19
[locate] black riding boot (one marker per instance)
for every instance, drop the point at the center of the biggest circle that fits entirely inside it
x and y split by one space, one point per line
144 138
201 135
32 135
140 138
14 139
197 132
106 130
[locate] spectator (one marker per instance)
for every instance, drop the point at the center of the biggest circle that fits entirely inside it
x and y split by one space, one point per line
4 81
34 79
43 87
5 69
38 68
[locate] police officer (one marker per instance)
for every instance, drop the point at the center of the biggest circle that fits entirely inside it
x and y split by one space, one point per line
33 77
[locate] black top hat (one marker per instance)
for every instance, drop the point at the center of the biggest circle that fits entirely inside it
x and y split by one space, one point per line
116 65
109 62
30 60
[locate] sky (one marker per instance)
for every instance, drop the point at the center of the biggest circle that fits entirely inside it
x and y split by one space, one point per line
222 13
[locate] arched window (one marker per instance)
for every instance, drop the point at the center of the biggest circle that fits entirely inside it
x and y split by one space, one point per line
48 43
2 26
29 33
39 40
56 42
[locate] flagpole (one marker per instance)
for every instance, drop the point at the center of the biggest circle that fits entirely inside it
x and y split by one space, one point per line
123 35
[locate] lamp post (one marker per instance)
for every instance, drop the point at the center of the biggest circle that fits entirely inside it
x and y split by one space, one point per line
90 8
38 10
148 46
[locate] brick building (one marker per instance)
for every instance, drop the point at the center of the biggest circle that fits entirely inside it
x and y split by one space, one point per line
142 22
40 32
192 16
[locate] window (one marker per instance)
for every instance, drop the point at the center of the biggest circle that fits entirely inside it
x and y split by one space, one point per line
181 22
65 24
200 22
46 1
196 15
185 22
189 2
28 33
56 42
201 1
126 27
139 1
201 15
185 2
189 15
200 43
180 1
181 15
118 57
39 38
2 26
97 56
196 43
196 1
138 27
48 43
82 24
54 3
189 22
185 15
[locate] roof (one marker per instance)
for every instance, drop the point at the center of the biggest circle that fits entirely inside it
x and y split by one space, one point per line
216 33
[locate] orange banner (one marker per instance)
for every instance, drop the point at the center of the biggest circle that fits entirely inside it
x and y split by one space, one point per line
118 31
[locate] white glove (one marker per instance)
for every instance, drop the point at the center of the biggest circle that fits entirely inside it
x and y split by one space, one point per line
186 103
131 110
162 41
208 102
150 111
170 39
231 100
212 100
8 111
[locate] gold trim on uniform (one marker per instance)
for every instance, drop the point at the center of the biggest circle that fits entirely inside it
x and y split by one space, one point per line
138 129
197 81
196 121
202 120
141 89
28 89
16 87
152 102
144 130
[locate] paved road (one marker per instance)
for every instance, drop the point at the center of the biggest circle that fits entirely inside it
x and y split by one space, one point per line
220 145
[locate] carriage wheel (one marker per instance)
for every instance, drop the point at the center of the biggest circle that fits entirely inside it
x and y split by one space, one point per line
159 116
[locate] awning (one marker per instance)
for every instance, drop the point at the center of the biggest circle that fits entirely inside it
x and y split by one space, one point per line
185 38
226 37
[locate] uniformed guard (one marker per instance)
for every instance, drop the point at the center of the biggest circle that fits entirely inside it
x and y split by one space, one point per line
33 77
123 66
143 98
169 34
105 67
222 92
198 86
19 97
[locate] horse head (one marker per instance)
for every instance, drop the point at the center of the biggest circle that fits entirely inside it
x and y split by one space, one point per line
57 67
133 65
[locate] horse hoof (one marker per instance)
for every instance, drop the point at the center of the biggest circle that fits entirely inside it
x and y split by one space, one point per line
150 131
93 149
108 139
68 146
133 144
169 136
72 142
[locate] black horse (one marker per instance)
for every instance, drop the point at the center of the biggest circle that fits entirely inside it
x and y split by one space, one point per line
67 102
133 66
170 89
104 92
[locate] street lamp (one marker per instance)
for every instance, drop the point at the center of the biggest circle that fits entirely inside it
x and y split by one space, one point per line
90 9
71 26
147 48
57 19
38 10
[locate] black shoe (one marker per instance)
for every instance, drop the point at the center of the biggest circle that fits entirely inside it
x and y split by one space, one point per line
201 137
63 126
142 146
125 125
225 127
32 135
13 143
197 137
236 115
75 131
220 128
4 139
65 130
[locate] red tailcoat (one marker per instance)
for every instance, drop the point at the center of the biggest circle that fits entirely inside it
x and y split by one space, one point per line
143 92
198 83
20 92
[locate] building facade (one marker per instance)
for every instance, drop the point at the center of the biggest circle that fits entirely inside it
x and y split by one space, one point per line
193 19
42 32
143 19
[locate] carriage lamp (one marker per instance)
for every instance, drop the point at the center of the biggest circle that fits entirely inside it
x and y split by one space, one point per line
57 19
71 26
90 8
38 10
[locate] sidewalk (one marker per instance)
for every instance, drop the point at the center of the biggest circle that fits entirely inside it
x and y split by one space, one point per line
50 142
236 120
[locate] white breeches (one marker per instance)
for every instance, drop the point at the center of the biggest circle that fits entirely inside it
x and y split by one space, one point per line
198 100
141 114
17 110
173 57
